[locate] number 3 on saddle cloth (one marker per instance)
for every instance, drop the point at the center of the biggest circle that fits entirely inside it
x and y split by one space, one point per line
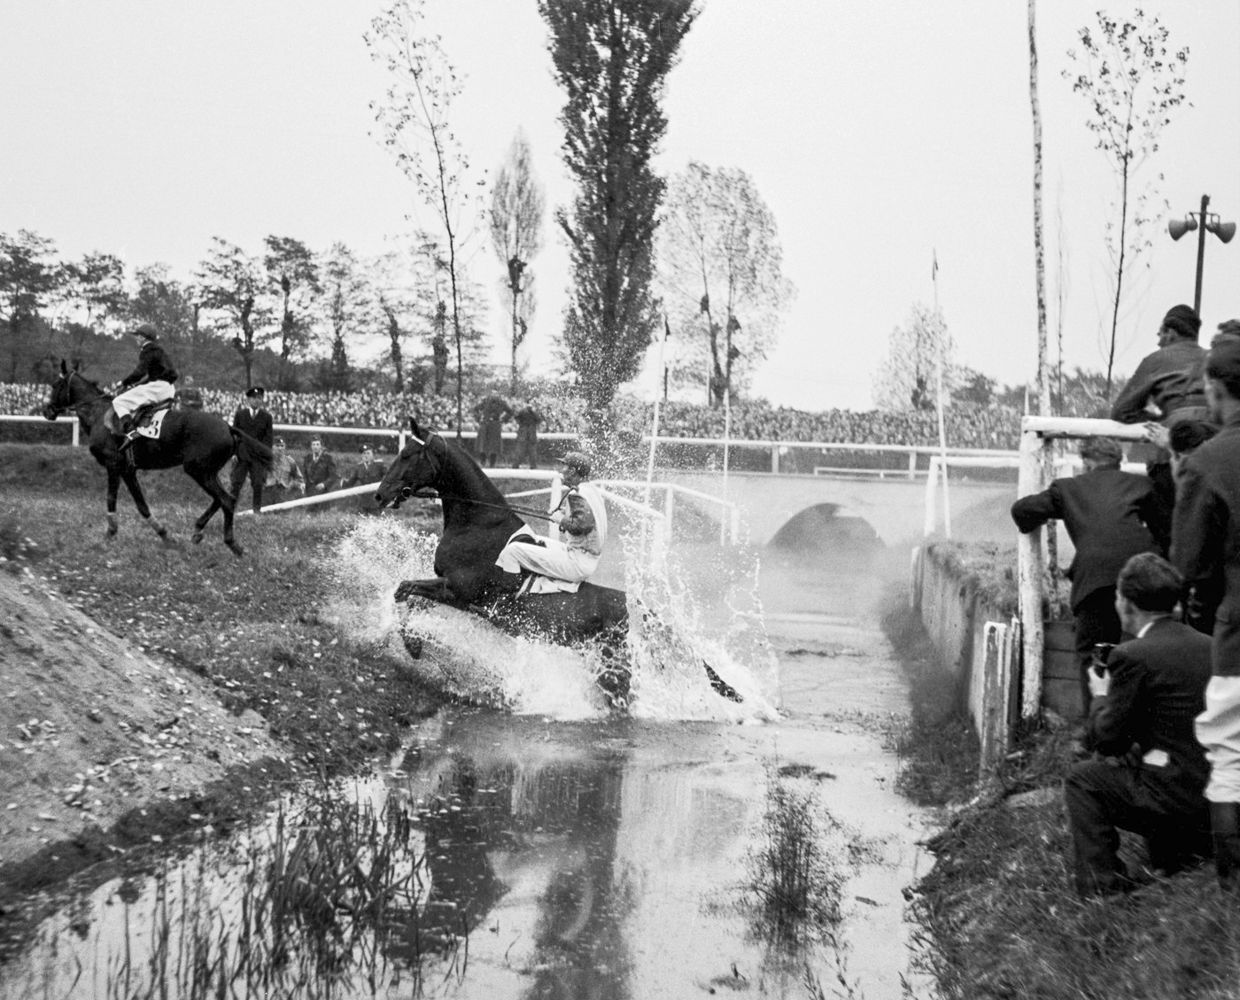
148 421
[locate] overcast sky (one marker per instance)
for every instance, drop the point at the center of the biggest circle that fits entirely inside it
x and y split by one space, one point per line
878 131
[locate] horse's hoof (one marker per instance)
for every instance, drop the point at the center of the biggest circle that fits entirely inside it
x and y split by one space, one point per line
413 645
403 590
196 537
237 550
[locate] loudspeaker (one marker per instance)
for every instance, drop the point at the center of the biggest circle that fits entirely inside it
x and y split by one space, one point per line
1223 230
1178 227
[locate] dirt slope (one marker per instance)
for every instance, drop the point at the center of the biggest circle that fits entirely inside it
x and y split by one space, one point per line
91 728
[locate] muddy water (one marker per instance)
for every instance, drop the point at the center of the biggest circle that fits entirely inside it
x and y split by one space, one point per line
611 857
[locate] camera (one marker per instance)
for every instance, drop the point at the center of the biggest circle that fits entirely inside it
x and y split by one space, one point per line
1100 655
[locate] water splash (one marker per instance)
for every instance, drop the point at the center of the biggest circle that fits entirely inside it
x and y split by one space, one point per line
686 610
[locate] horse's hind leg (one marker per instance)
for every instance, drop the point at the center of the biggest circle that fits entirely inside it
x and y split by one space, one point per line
114 482
139 500
220 499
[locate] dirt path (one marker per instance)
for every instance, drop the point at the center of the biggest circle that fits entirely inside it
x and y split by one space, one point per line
92 728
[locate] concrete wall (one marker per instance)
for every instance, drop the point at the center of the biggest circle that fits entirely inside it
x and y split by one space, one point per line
982 660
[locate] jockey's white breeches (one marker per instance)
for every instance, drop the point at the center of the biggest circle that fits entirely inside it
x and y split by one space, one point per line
550 558
140 395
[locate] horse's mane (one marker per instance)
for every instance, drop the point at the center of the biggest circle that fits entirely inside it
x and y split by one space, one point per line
468 474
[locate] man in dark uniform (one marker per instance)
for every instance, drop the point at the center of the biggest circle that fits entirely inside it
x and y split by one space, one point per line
1111 516
368 471
253 420
150 383
490 414
189 396
1142 718
320 469
1171 380
1205 542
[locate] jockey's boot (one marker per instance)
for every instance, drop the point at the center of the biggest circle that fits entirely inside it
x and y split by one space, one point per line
1225 826
128 433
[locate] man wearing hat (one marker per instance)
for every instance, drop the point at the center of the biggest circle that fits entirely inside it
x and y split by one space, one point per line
321 474
255 421
1110 515
368 471
1205 542
581 516
1171 382
150 383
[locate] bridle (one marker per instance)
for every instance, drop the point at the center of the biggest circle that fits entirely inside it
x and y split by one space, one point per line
57 410
410 493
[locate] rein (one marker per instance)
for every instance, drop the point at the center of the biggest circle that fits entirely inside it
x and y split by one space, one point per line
525 511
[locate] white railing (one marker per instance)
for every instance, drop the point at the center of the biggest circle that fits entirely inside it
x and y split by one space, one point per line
1037 435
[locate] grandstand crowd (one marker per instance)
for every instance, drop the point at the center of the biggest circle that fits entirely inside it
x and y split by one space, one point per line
967 426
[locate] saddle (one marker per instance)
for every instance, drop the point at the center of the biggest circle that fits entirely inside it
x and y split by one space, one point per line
148 419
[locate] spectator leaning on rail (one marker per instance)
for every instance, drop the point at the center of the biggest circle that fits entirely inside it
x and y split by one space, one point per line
1205 542
1111 516
1142 720
582 519
148 384
1170 380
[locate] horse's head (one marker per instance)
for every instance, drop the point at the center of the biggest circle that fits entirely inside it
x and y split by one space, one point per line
61 397
416 467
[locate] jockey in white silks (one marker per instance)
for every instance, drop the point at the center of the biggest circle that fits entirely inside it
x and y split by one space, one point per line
150 382
582 519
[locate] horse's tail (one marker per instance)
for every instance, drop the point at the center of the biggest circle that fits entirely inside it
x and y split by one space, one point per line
253 445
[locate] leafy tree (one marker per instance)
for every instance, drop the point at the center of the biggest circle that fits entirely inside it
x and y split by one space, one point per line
291 267
517 205
97 283
30 276
395 294
1132 81
169 306
231 281
347 307
611 57
916 352
720 266
414 119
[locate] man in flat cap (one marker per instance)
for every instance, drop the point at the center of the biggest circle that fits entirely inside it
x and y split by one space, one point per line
1205 541
1110 515
251 419
1169 387
149 384
320 469
581 516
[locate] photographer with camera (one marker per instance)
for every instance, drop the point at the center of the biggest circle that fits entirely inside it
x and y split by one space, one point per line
1148 774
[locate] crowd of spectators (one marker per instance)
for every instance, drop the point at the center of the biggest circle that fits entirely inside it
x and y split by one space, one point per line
967 426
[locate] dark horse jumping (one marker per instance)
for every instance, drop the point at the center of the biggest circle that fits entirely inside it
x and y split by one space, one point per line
199 442
477 524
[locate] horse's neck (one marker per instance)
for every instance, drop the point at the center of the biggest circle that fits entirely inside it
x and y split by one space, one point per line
89 409
461 479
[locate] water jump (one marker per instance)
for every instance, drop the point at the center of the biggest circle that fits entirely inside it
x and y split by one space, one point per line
479 525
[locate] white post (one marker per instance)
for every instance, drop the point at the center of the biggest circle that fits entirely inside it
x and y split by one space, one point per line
912 463
932 484
77 436
1030 572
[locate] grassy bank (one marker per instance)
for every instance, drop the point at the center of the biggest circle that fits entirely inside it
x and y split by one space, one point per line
998 912
253 626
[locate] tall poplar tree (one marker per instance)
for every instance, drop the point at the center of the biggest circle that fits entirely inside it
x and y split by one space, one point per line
612 58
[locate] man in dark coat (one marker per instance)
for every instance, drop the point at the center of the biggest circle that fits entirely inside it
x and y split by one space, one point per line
188 395
1142 719
1172 381
1205 542
1110 515
528 420
253 420
367 472
320 469
490 414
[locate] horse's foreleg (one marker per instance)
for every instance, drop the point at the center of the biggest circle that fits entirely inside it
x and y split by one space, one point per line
114 482
435 589
139 500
